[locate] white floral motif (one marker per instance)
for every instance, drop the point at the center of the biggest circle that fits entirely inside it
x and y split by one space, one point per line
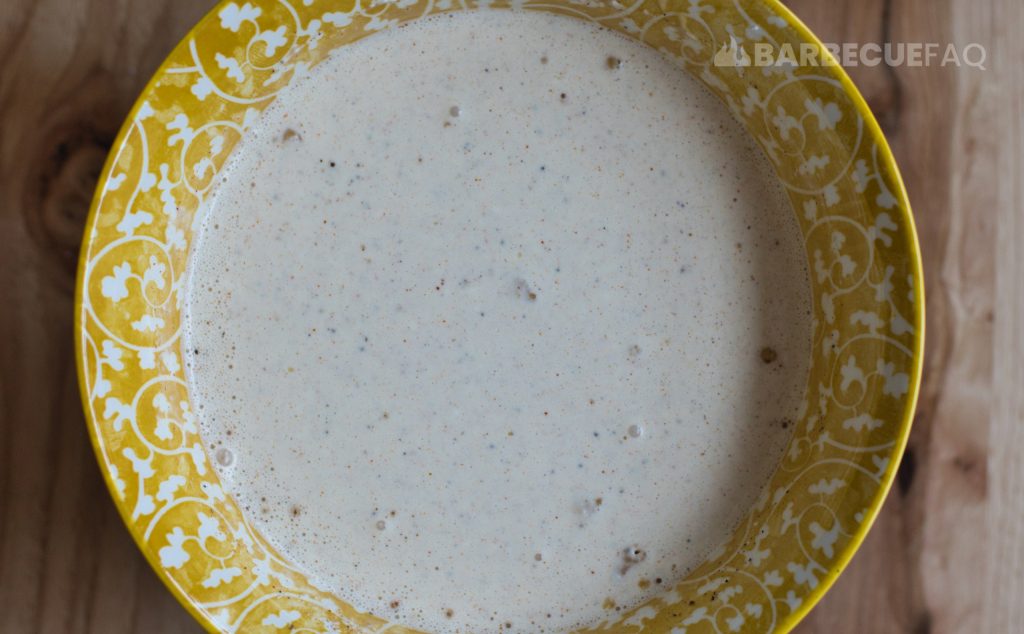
337 18
215 493
142 466
896 383
232 16
145 111
862 422
119 484
696 616
846 263
166 197
826 487
113 286
751 101
711 586
824 540
788 518
883 224
785 123
725 596
161 403
147 181
114 183
867 318
828 115
230 66
697 9
198 456
813 164
640 615
165 492
209 528
165 423
148 323
860 176
272 39
810 209
184 133
900 326
221 575
115 409
154 273
883 290
170 361
804 574
175 237
831 195
792 601
852 373
202 88
205 164
174 554
112 354
376 23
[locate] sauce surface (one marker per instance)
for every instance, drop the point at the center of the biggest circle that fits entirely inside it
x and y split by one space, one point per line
497 323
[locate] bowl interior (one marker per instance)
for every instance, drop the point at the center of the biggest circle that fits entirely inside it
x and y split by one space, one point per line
812 124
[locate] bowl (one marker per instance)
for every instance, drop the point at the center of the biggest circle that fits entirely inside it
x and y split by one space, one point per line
827 149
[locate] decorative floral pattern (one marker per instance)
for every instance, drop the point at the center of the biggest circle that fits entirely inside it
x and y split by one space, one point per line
861 248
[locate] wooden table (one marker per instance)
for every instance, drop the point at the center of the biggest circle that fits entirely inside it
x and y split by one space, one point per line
947 553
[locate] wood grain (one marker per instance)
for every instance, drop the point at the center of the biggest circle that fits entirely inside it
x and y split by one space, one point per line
69 72
947 553
995 128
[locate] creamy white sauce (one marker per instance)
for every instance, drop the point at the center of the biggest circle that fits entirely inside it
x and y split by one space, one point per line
486 301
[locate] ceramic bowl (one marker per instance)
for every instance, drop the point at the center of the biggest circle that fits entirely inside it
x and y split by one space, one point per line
812 123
